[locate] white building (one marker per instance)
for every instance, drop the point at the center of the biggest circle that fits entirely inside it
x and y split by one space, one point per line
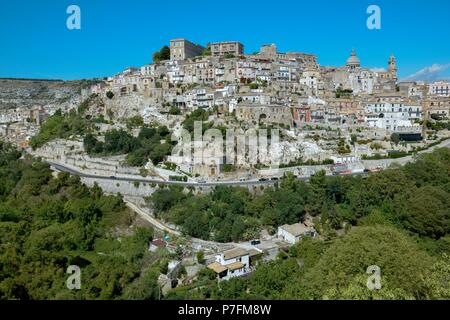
245 69
351 158
175 72
294 232
440 88
396 116
231 263
310 78
200 98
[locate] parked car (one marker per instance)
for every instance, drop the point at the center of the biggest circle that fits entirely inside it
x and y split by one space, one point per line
255 242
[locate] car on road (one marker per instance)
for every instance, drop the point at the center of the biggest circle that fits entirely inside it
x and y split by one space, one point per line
112 177
201 181
262 179
255 242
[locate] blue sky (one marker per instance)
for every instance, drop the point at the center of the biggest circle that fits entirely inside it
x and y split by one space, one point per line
35 42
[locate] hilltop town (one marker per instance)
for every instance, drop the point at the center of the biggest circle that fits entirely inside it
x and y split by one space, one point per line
131 135
341 114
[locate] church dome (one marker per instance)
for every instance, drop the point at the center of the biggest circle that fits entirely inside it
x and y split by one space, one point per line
353 60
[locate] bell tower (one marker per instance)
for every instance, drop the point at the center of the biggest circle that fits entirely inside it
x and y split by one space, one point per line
392 67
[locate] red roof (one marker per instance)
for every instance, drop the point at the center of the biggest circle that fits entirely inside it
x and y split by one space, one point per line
159 243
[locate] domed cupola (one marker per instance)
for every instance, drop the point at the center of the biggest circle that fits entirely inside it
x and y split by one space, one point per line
353 61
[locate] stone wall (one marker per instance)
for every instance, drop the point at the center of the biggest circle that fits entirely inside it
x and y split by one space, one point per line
264 114
71 153
124 187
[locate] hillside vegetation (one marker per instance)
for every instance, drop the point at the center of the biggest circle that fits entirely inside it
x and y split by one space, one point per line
398 220
48 223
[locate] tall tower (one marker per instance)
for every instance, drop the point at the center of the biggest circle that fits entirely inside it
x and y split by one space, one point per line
392 67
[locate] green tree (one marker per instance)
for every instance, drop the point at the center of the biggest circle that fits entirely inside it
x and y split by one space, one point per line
162 54
395 138
200 257
358 290
425 211
402 264
437 282
110 95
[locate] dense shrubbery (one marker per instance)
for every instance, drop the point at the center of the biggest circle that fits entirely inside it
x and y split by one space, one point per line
162 54
47 224
200 115
135 122
343 93
438 125
60 126
64 126
138 149
230 213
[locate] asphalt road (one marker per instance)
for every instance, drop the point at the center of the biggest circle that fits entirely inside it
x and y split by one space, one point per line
63 168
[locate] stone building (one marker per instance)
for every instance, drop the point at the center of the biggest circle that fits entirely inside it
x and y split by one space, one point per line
268 51
219 49
439 106
182 49
391 74
264 114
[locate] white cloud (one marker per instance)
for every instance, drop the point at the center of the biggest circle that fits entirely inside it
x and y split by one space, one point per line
430 73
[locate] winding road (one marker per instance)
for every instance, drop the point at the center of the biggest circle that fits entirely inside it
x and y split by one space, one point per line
63 168
270 180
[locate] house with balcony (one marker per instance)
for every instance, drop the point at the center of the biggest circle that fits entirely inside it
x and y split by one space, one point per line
234 263
393 116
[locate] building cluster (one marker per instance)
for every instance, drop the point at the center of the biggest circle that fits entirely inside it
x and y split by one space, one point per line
267 88
284 89
288 88
18 125
239 262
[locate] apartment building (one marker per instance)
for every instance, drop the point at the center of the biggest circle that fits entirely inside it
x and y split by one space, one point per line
393 116
440 88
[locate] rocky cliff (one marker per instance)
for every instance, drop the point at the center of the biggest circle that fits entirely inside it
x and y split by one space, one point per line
25 93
